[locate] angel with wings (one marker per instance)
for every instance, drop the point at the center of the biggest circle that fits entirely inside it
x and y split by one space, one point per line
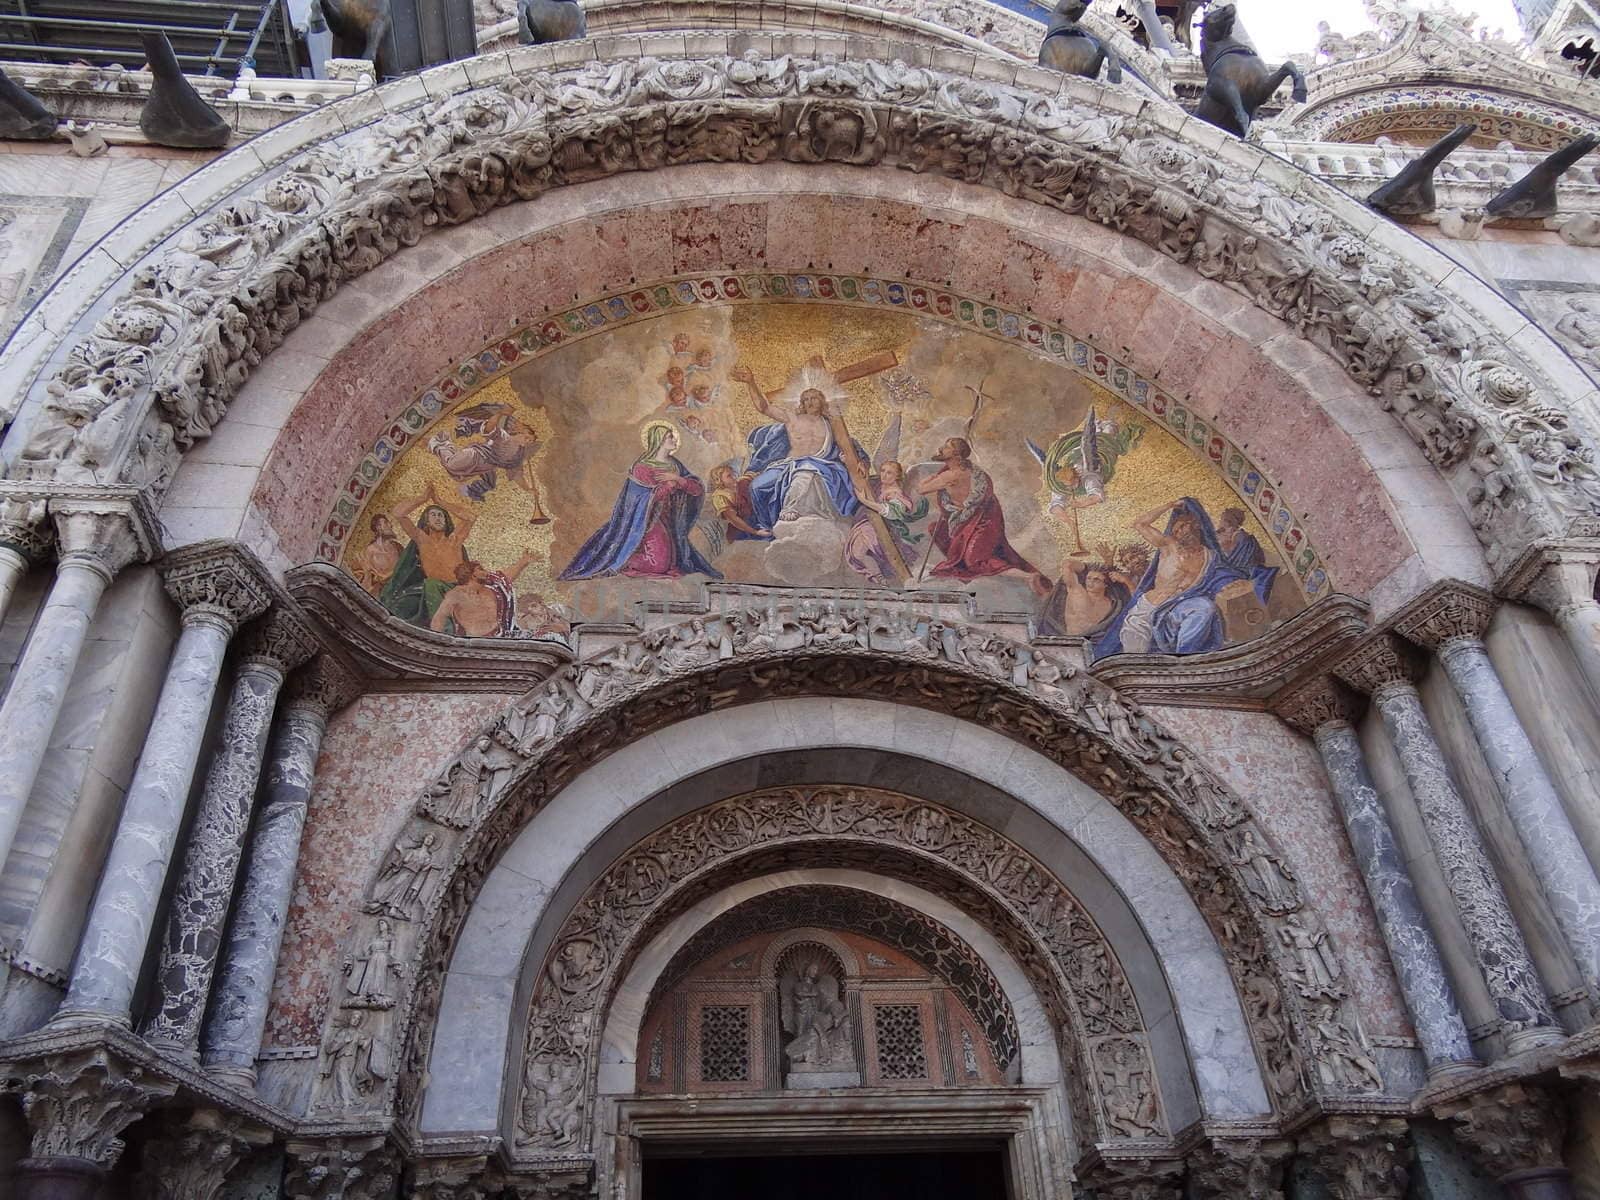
814 1017
891 496
506 443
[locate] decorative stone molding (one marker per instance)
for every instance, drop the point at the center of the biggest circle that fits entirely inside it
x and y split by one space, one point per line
1512 1133
1555 575
157 371
189 1159
1360 1157
1076 972
1446 612
25 528
1133 1177
78 1105
218 579
1232 1169
1319 701
1305 1033
341 1168
395 655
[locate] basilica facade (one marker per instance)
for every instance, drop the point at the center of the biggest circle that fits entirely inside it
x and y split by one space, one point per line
777 599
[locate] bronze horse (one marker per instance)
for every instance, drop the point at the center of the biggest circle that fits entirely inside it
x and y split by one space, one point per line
358 27
1071 49
540 21
1237 81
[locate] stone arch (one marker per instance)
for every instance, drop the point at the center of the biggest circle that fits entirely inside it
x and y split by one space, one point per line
1492 402
942 952
1012 894
1203 832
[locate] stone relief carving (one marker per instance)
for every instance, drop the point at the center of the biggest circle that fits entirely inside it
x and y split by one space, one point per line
812 1013
198 320
1076 721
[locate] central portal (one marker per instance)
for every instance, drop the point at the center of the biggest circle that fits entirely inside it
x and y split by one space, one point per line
939 1175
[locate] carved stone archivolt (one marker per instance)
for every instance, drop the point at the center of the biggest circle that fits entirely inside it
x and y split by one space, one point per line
159 368
1285 971
1022 903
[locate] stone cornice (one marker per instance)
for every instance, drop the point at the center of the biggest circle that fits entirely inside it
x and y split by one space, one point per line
1447 611
395 655
1244 676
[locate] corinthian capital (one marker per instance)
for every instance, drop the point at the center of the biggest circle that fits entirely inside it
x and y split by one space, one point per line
25 528
1360 1158
341 1169
78 1105
1231 1169
1135 1178
1445 613
189 1160
282 639
1509 1130
324 686
1318 701
1377 661
221 580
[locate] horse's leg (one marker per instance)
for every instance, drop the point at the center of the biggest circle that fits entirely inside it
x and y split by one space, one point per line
1287 71
1232 101
1113 67
1159 41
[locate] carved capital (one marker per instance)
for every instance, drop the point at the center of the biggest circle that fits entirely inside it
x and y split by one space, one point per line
1377 662
217 580
78 1106
25 528
281 639
1555 576
104 537
190 1158
1445 613
1509 1130
1360 1158
324 686
1135 1178
452 1179
342 1169
1319 701
1227 1168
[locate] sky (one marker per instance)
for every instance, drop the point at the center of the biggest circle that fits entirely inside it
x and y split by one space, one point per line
1282 27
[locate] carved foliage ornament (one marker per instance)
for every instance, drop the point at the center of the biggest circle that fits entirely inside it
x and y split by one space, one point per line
429 879
160 367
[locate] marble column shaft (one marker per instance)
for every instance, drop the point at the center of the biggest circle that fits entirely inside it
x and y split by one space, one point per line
113 945
1497 942
13 566
1423 980
39 684
1565 873
238 1017
211 859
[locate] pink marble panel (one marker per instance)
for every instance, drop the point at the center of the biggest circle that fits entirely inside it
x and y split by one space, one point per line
375 759
1279 777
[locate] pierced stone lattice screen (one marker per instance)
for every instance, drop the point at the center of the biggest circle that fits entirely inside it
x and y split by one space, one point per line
725 1043
900 1044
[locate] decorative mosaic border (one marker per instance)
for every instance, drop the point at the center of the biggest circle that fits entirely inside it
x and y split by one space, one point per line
1355 118
638 304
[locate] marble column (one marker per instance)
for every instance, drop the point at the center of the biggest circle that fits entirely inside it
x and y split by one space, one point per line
218 586
1559 577
1451 620
25 538
238 1014
274 646
94 546
77 1104
1383 667
1325 710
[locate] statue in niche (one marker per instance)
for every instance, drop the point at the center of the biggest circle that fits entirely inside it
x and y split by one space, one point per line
814 1017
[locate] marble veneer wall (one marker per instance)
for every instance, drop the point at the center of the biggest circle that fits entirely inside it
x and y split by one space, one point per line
49 877
376 756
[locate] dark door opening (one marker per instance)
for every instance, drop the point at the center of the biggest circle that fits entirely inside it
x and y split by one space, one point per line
936 1175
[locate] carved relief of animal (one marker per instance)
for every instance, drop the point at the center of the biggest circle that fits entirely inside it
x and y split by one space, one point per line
540 21
1238 82
1071 49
